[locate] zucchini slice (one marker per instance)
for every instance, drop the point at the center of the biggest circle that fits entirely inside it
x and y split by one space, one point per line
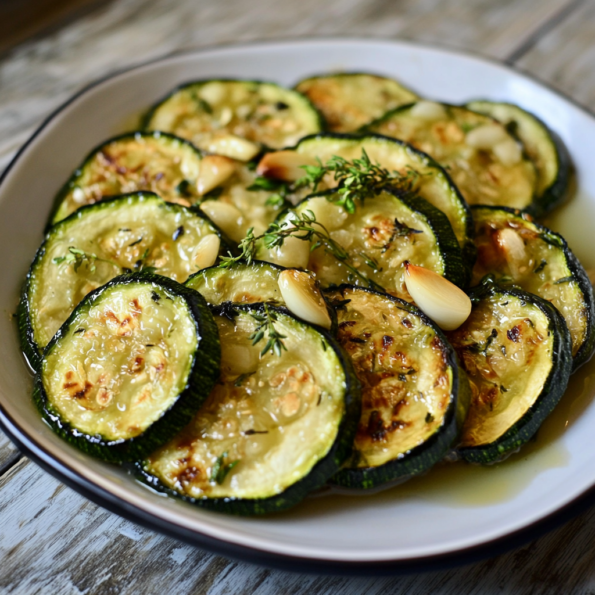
154 161
214 113
240 283
275 427
130 367
99 242
517 352
351 100
542 145
484 160
513 249
414 396
431 182
382 234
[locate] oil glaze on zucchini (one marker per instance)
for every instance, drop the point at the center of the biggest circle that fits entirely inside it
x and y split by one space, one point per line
516 350
217 115
542 145
274 428
513 249
414 396
130 367
348 101
484 160
99 242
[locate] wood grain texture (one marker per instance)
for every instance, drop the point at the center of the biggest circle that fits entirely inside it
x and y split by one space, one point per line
54 541
566 55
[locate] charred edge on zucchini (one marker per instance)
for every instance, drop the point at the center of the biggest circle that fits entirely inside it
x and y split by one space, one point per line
202 373
420 440
485 352
317 470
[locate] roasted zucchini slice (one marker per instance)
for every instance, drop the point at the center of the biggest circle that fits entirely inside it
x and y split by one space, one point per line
219 116
154 161
513 249
542 145
485 161
427 178
414 396
101 241
275 427
130 367
351 100
370 246
241 283
517 352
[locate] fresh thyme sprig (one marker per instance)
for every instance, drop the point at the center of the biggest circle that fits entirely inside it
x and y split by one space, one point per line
266 326
78 257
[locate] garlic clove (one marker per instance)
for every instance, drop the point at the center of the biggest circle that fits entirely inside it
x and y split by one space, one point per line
512 246
428 111
284 165
293 253
214 171
232 146
226 217
486 136
207 251
508 152
303 297
439 299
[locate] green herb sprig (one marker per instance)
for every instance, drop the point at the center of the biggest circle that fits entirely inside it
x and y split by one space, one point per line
221 469
78 257
266 326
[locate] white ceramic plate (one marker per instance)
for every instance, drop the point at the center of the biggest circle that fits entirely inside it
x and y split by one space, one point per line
451 515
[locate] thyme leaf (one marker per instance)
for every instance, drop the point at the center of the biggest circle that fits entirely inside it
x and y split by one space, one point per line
77 258
221 469
266 326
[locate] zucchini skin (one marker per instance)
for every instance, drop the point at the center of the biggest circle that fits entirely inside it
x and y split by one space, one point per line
426 455
202 377
585 353
319 474
29 346
554 387
146 119
126 136
559 189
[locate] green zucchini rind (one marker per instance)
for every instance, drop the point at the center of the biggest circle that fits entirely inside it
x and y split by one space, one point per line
543 146
126 233
99 371
430 181
351 100
289 436
542 264
132 162
261 112
383 232
490 171
517 352
414 394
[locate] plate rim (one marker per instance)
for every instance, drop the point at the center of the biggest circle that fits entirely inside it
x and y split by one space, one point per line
255 555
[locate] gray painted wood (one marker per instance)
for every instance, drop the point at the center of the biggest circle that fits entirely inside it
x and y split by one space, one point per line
54 541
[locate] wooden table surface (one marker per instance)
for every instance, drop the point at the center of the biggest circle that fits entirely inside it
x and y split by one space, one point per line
54 541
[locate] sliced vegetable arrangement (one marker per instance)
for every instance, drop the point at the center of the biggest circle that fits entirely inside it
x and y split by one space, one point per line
268 290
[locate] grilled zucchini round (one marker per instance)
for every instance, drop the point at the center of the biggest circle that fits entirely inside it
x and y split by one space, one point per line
351 100
513 249
517 352
154 161
130 367
414 395
275 427
216 115
99 242
543 146
484 160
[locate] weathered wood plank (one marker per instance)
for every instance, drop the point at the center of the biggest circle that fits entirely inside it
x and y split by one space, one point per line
54 541
565 56
8 453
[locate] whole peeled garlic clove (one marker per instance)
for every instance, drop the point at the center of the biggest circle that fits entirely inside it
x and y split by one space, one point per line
226 217
232 146
512 246
303 298
207 251
439 299
486 136
214 171
284 165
